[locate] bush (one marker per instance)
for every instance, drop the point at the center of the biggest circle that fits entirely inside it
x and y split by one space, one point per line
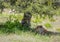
9 26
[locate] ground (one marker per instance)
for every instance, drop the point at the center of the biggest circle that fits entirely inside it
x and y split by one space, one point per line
28 36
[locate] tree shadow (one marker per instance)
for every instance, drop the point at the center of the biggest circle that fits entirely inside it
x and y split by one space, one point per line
53 33
50 33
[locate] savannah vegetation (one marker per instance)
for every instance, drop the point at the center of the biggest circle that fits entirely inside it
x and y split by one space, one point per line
19 18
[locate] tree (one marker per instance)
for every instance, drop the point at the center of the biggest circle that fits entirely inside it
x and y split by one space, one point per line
26 19
29 7
1 6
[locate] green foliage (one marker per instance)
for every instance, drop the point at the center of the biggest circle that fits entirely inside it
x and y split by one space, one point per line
48 25
12 25
9 27
33 6
36 7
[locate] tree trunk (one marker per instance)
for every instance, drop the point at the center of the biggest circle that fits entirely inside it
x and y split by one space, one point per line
26 19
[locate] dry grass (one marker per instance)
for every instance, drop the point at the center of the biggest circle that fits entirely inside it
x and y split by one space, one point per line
28 37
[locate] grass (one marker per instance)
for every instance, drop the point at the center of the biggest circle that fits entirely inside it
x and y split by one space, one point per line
58 29
28 37
21 35
48 25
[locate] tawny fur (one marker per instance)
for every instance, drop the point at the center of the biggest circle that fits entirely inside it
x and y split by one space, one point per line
40 29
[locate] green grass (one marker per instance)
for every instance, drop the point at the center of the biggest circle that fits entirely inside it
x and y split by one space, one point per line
48 25
58 29
18 35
